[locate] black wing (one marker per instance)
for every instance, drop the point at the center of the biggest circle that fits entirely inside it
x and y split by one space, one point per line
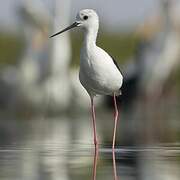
119 70
116 63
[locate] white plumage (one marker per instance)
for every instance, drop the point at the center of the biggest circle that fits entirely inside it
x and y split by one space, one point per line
99 74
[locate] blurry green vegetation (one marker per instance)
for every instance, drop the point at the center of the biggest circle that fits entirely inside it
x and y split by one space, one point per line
11 47
120 46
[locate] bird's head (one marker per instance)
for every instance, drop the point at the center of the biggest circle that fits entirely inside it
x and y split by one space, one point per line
86 19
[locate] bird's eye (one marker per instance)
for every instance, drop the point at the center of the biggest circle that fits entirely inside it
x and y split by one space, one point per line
85 17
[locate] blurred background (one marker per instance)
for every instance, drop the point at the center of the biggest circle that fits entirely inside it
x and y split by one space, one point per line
45 122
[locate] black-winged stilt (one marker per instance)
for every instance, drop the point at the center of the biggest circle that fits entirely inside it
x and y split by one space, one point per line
99 73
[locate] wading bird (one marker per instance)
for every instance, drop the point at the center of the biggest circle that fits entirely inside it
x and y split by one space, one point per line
99 73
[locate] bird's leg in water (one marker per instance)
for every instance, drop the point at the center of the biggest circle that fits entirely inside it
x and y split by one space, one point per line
114 136
116 114
95 163
95 139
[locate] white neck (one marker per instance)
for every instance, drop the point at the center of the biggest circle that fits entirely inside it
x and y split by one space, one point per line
90 36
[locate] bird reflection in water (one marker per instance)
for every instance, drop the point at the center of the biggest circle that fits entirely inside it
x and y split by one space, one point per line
96 155
114 165
95 162
99 73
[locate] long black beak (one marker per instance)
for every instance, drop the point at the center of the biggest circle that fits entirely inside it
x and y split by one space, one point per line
75 24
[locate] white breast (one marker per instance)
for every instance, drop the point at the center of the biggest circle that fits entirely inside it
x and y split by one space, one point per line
98 73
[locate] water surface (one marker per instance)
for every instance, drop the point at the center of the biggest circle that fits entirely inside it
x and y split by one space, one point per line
57 148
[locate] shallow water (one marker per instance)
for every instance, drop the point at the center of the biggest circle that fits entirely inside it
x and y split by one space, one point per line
58 148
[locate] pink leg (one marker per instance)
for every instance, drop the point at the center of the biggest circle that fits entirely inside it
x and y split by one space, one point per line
95 139
114 137
94 122
115 121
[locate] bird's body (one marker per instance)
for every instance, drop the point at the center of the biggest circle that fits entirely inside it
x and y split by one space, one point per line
99 73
